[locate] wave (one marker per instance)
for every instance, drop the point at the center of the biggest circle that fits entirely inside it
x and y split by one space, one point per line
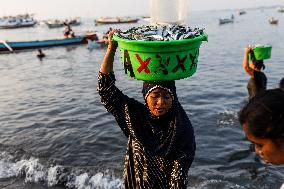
33 171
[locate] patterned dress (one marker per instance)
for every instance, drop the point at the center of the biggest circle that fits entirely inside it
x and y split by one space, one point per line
159 151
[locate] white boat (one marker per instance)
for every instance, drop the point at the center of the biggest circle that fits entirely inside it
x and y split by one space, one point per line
115 20
54 23
17 21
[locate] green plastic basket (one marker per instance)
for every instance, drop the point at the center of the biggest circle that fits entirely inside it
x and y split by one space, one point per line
262 52
160 60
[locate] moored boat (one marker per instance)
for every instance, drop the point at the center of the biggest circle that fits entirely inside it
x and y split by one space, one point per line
19 21
116 20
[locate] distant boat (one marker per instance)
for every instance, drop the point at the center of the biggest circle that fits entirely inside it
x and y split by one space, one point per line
146 18
55 23
242 12
19 21
280 9
273 21
226 20
116 20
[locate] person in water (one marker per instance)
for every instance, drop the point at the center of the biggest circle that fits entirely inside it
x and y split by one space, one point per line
40 54
262 120
68 32
258 80
161 141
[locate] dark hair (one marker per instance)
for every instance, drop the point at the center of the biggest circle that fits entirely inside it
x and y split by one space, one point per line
264 115
259 64
281 84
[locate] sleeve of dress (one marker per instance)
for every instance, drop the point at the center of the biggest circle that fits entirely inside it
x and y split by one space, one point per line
113 99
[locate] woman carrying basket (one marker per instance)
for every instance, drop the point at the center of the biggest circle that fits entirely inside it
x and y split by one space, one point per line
161 142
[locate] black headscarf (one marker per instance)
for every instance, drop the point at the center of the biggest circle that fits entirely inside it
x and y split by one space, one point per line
172 135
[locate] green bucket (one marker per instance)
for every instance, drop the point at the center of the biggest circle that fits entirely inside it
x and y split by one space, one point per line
160 60
262 52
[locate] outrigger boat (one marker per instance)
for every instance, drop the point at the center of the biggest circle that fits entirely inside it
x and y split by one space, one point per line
6 46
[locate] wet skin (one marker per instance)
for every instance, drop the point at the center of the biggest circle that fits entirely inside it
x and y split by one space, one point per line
266 148
159 101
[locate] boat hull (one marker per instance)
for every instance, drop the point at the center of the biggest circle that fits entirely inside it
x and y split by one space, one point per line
41 44
116 22
17 26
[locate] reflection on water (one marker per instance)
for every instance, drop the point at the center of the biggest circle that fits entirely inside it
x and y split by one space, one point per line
55 132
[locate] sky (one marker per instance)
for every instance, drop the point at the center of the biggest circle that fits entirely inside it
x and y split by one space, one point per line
97 8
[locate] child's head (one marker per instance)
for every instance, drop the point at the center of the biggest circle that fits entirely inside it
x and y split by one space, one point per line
263 122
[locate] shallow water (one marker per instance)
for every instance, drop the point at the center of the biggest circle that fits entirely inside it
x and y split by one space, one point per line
54 131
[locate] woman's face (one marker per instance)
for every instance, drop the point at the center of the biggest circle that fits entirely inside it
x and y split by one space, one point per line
266 148
159 101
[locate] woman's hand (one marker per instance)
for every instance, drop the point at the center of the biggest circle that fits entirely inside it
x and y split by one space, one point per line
248 50
107 63
112 45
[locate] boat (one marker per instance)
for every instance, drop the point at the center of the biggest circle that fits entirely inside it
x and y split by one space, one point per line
280 9
55 23
73 22
272 20
115 20
146 18
226 20
242 12
19 21
23 45
6 46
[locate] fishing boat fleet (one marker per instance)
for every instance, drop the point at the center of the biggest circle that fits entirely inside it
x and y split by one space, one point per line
27 20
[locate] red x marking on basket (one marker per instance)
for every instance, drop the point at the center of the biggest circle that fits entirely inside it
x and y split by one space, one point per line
143 64
180 64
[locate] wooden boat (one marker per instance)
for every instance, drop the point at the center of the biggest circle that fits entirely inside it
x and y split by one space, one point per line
116 20
273 21
23 45
6 46
60 23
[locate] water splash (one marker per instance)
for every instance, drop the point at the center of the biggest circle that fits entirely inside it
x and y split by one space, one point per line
34 172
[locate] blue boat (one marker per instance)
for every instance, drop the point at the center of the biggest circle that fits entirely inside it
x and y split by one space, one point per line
6 46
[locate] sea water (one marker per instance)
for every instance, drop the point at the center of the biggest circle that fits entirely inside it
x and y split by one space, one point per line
55 133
